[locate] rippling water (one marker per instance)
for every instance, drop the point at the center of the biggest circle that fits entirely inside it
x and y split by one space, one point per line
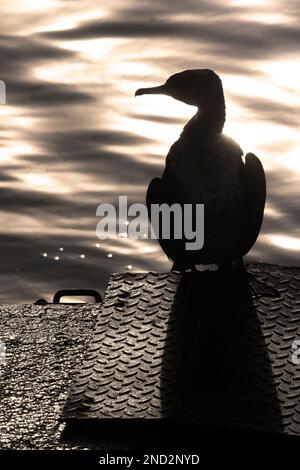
73 135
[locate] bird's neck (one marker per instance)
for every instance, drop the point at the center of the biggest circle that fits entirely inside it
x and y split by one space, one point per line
207 123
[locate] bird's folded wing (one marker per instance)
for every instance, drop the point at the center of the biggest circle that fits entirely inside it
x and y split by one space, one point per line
255 197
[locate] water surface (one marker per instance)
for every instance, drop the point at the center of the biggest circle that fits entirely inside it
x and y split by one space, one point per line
73 136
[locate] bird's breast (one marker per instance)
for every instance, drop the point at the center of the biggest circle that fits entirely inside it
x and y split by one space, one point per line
210 175
203 173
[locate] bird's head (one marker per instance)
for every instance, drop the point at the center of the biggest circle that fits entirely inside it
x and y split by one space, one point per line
198 87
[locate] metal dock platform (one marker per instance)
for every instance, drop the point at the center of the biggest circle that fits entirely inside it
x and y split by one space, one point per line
194 350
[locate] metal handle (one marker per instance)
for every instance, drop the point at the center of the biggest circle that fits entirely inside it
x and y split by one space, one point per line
77 292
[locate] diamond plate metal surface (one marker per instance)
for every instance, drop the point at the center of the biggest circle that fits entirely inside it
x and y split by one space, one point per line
195 348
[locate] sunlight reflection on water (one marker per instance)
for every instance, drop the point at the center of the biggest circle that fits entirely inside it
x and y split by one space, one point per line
73 135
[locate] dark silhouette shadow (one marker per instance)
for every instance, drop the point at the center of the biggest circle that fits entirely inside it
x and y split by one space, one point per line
217 357
216 370
216 383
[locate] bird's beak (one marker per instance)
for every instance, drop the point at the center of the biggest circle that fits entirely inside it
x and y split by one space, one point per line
155 90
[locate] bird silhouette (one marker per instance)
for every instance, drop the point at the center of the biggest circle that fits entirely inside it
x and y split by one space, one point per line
205 166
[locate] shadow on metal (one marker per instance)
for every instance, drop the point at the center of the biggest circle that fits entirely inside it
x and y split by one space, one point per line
190 358
225 378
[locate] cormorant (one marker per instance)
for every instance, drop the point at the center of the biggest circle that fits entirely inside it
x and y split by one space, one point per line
205 166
